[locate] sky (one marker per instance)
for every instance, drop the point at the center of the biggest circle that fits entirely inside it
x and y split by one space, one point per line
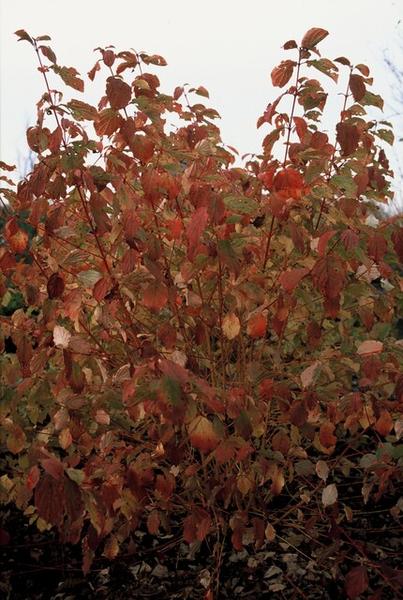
228 46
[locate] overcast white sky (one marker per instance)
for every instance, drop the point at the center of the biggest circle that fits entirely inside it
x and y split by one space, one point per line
229 46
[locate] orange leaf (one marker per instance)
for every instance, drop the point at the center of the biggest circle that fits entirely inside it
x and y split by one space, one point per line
326 437
282 74
257 325
384 424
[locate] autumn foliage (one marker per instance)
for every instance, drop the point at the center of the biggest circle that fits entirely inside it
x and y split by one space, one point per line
199 338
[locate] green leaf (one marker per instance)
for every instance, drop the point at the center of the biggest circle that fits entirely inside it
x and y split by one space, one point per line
241 204
371 99
89 278
345 183
325 66
172 390
386 135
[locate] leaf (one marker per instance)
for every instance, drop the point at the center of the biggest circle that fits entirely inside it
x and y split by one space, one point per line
101 288
108 121
23 36
61 337
155 296
119 93
384 424
386 135
15 236
322 470
194 230
357 87
356 582
53 466
326 436
33 477
329 495
308 375
49 500
270 533
231 326
370 347
326 66
377 246
241 204
371 99
153 522
257 325
348 137
282 74
82 111
202 434
290 279
70 77
65 438
55 286
313 37
345 183
102 417
48 52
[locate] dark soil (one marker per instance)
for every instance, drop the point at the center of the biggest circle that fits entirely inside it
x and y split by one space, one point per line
297 564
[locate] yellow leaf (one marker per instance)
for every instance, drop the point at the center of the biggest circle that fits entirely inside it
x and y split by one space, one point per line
231 326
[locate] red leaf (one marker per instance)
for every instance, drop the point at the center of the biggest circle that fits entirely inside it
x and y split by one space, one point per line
349 239
55 286
397 239
195 229
348 137
313 37
33 477
357 87
53 466
283 73
101 288
323 241
356 582
119 92
377 247
155 296
257 325
290 279
49 500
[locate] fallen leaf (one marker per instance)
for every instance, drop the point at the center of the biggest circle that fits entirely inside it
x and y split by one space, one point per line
329 495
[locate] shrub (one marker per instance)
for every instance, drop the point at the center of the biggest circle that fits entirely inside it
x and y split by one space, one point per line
199 338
